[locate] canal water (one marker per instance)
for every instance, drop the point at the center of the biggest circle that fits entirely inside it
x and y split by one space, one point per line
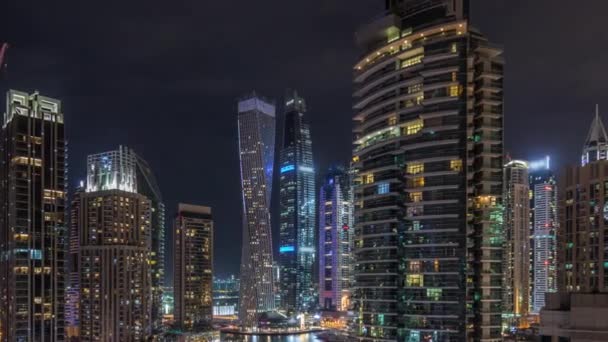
285 338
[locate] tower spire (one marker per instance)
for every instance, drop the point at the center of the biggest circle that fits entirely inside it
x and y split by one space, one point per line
596 144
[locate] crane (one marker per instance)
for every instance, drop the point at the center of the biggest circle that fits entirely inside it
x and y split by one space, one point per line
3 49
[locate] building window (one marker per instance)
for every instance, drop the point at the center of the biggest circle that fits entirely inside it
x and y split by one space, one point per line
454 90
384 188
414 280
416 197
418 182
433 294
414 88
454 47
369 179
392 120
416 225
414 267
411 61
413 127
456 165
415 168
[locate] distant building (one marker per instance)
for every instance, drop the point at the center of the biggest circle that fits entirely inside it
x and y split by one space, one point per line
596 144
516 200
297 249
544 223
225 296
72 307
115 289
336 240
33 243
256 123
583 207
574 317
193 267
123 169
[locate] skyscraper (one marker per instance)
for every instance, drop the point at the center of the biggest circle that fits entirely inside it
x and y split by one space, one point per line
73 289
335 240
543 221
582 252
428 149
256 123
33 238
596 144
298 208
193 271
124 169
516 268
114 254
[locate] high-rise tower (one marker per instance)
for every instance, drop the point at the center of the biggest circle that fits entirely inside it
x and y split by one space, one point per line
298 208
335 240
256 123
516 267
428 102
33 232
544 223
596 144
193 272
124 169
115 251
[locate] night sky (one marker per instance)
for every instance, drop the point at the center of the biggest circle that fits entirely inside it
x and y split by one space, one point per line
163 77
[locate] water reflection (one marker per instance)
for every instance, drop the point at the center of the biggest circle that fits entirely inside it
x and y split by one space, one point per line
254 338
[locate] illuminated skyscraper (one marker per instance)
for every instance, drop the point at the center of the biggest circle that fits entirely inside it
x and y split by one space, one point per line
335 240
582 249
543 210
115 252
193 271
256 123
123 169
73 289
428 126
33 232
516 295
298 209
596 144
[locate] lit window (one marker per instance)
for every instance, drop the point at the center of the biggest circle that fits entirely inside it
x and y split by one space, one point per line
415 168
414 88
392 34
419 99
355 159
416 196
392 120
454 91
454 76
369 179
418 182
433 294
383 188
414 280
416 225
414 266
454 48
456 165
413 127
411 61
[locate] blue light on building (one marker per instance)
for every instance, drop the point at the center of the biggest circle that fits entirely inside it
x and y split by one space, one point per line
287 168
285 249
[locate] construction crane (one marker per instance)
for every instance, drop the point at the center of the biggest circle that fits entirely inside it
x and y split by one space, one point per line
3 49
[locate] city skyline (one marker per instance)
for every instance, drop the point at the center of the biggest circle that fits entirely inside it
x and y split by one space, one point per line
114 96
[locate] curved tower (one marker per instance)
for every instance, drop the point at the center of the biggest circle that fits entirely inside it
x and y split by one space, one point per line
428 149
256 123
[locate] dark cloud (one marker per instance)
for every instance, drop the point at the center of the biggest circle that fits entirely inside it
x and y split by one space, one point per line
163 77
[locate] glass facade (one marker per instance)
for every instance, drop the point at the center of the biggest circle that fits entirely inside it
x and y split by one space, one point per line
256 123
34 235
297 209
543 209
428 121
335 240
